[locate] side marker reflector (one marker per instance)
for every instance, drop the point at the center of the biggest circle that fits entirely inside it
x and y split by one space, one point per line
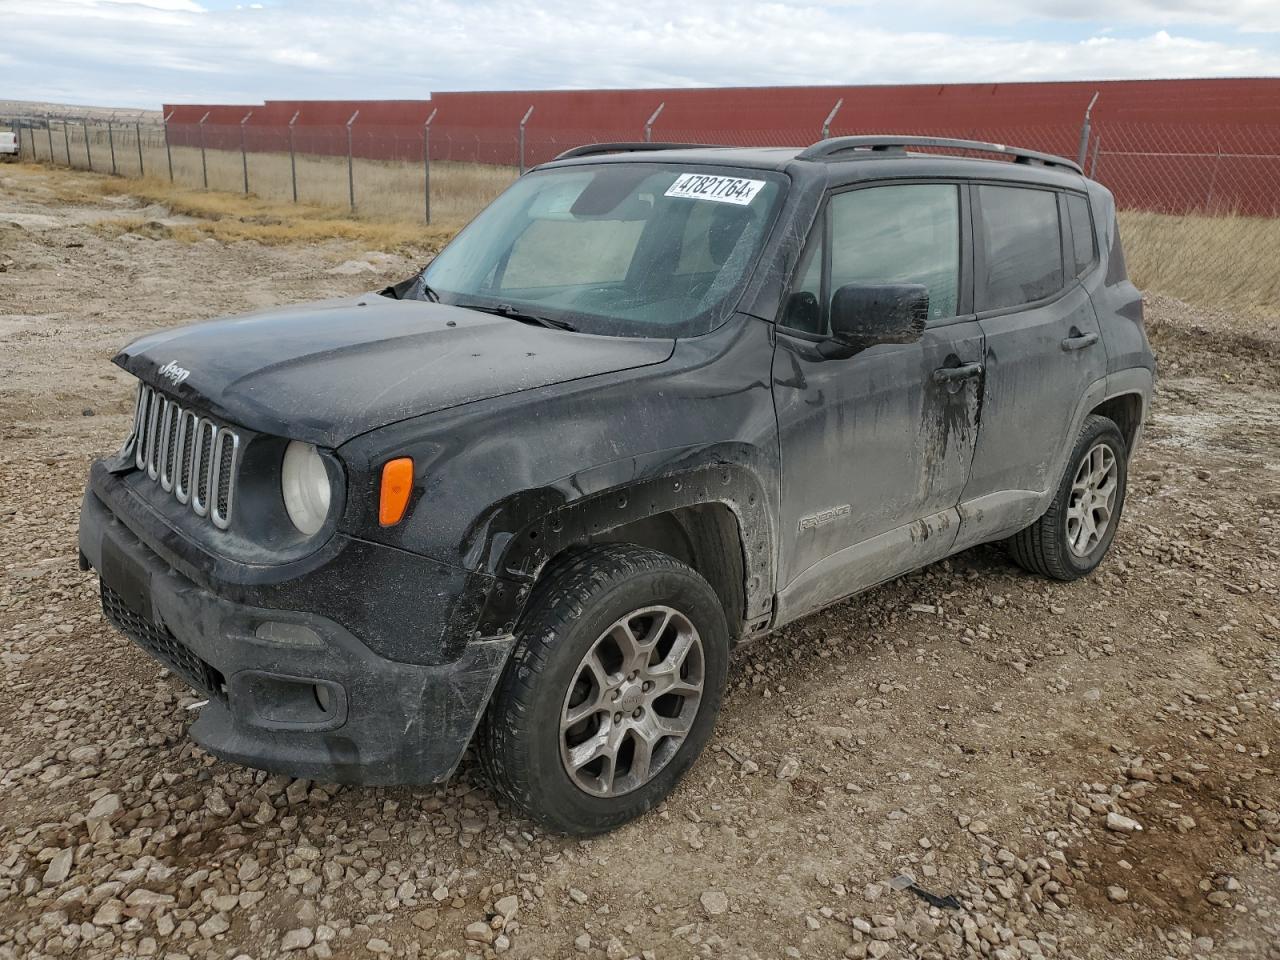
397 484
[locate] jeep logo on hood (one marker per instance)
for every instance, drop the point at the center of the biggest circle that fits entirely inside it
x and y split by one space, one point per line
174 373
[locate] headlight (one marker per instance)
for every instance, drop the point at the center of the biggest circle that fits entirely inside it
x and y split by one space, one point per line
305 485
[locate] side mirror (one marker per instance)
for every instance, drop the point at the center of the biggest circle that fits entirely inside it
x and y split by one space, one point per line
865 314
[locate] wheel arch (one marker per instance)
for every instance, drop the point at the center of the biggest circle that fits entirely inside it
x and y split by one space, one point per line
714 518
1126 411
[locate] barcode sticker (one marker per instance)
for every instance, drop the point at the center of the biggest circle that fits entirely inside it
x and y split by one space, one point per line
702 186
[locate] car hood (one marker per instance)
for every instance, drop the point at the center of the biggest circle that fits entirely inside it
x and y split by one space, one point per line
328 371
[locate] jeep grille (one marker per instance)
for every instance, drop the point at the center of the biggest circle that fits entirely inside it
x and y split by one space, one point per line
188 455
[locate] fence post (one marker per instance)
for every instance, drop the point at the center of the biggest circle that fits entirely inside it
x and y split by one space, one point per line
244 157
1083 153
1093 167
87 152
48 128
168 153
653 118
111 142
137 133
826 124
66 141
293 166
204 167
1213 179
523 123
351 177
426 164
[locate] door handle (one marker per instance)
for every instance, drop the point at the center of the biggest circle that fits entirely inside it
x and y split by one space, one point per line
1080 341
965 371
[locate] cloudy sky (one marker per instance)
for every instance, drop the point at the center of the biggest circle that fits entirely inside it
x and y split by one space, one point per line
139 53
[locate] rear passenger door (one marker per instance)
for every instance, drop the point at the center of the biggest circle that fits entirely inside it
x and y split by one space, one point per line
1042 352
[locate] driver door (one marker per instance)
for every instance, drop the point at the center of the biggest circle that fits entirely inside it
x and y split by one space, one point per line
875 446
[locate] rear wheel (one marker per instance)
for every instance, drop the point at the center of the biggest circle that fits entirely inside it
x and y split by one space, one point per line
611 692
1076 531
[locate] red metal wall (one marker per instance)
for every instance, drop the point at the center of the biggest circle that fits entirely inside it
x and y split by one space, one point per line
1163 144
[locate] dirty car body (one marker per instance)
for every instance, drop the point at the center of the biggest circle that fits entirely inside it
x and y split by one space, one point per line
687 393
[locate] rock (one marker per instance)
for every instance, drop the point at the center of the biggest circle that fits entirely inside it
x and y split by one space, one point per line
1117 894
1122 824
214 925
714 902
788 768
577 896
298 939
59 867
582 942
148 898
109 913
479 932
105 808
216 803
378 946
507 907
425 919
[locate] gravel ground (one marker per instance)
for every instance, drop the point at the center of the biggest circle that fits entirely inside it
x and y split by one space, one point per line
1066 770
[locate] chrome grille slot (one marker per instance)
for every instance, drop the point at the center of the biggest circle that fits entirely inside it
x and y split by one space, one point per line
206 432
187 455
186 445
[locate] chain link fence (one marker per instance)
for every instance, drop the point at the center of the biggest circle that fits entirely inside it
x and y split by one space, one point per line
1200 203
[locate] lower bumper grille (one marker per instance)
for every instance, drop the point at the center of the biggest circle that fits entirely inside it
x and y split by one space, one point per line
164 646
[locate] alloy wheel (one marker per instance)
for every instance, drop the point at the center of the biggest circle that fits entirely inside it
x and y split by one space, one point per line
632 702
1093 499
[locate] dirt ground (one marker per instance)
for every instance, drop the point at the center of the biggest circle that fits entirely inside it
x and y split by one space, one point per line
1087 768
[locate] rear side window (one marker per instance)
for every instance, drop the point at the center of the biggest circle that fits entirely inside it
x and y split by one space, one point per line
1022 243
1081 232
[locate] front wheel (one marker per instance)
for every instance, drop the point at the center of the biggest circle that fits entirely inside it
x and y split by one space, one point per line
612 690
1076 531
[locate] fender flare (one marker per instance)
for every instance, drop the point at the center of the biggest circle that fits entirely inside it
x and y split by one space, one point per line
517 537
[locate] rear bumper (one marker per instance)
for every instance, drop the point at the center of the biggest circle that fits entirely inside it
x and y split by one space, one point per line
303 696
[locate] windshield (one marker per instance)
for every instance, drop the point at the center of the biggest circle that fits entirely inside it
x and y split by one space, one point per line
639 250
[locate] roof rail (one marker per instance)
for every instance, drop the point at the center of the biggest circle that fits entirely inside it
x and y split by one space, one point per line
638 146
828 149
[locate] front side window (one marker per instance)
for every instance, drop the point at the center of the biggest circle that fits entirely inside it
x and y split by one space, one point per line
903 233
1022 243
621 249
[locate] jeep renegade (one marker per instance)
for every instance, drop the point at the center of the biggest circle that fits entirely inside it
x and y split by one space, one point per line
655 400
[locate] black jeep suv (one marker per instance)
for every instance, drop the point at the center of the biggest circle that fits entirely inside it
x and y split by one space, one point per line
655 400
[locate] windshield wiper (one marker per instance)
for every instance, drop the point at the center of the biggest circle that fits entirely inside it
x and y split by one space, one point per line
511 313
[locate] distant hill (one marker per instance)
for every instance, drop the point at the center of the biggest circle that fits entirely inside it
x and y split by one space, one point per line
31 108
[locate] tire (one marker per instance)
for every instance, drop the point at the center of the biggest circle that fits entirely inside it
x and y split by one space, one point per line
524 751
1052 546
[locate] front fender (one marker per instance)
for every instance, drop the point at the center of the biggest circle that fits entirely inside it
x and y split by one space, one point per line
515 539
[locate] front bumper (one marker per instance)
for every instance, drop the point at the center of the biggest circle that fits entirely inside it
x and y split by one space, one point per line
304 696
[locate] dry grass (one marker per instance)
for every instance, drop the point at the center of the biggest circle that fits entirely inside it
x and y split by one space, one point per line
1227 262
385 190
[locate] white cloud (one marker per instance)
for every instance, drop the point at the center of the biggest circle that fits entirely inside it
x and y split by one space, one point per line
142 53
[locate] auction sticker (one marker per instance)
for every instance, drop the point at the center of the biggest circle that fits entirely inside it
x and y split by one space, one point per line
704 186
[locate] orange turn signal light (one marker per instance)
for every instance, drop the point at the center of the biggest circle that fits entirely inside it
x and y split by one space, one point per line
397 484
